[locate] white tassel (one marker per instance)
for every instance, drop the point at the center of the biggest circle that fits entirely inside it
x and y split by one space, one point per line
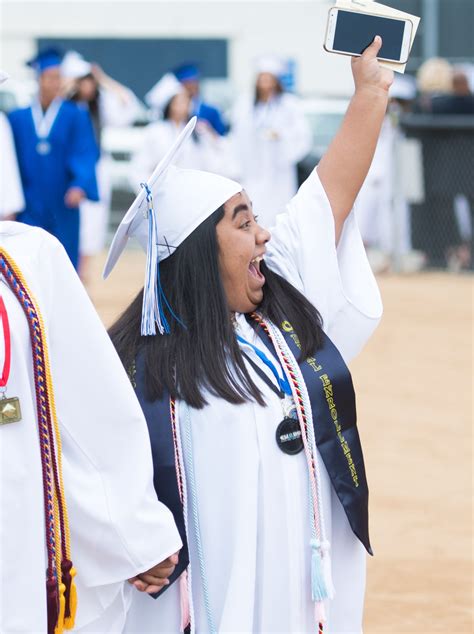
150 308
327 568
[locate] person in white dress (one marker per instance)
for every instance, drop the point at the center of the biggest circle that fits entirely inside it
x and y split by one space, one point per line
110 104
275 534
118 529
270 136
206 150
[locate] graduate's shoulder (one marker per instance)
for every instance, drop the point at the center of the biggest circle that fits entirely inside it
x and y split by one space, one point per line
17 236
19 114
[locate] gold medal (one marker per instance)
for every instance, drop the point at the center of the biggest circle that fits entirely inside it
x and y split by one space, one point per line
10 411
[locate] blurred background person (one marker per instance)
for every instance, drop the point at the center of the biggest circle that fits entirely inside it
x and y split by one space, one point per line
383 213
434 79
11 192
57 154
189 76
270 135
206 150
444 221
109 104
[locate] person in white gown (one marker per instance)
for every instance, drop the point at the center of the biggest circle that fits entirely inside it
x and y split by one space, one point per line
110 104
118 529
270 136
207 150
272 541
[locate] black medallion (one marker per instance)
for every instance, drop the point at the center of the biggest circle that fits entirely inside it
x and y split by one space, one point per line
288 436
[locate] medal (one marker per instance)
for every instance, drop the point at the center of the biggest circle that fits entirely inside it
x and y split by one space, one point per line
43 148
10 411
288 433
288 436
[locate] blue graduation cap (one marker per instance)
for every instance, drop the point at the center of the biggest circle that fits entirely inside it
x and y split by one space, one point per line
47 58
187 72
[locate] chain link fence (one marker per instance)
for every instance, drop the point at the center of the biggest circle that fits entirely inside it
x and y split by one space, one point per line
439 187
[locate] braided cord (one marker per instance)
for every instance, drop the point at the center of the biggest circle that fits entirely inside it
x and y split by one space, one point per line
56 517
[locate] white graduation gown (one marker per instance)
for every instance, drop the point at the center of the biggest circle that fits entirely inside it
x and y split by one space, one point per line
118 528
252 499
11 191
209 152
269 139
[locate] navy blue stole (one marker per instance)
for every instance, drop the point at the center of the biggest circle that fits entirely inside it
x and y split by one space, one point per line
158 418
331 392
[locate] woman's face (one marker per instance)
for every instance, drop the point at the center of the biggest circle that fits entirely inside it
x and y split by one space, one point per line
266 86
179 107
241 248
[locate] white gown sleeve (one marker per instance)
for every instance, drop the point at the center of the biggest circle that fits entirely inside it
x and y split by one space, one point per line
119 109
11 191
337 281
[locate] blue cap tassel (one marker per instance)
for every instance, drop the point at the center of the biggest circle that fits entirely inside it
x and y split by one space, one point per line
154 299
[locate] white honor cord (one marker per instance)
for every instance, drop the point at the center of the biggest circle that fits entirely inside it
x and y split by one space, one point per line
188 452
43 122
283 347
185 514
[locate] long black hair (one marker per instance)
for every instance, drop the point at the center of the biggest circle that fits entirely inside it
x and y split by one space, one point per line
204 355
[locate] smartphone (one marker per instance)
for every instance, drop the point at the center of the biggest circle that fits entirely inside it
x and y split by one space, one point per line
350 32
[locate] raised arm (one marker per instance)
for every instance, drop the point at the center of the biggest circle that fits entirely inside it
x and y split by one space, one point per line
343 168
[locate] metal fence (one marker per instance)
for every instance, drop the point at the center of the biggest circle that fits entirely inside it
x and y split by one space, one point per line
442 209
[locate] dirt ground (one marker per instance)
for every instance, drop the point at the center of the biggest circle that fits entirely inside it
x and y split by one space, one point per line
414 390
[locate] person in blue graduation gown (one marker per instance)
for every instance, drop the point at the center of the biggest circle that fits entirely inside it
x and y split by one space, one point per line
57 156
188 75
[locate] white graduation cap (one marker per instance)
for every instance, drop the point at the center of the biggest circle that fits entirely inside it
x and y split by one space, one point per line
163 91
74 66
270 64
3 76
170 206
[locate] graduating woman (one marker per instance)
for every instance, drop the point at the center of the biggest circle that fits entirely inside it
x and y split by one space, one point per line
270 136
249 402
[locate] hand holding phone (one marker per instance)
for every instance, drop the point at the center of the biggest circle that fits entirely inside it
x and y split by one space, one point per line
367 71
350 32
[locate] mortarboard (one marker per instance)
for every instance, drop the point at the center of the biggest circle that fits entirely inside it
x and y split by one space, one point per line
170 206
47 58
270 64
74 66
163 91
187 72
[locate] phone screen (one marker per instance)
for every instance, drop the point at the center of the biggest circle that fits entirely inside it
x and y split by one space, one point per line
355 31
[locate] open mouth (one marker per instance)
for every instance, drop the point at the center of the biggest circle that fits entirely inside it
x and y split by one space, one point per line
254 269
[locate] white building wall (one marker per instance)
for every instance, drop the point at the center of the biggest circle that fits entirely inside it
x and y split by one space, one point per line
291 28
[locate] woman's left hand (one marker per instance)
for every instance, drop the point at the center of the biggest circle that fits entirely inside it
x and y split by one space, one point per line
367 71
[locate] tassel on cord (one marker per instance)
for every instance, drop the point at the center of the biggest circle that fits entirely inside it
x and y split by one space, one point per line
59 629
52 602
70 594
327 568
318 587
